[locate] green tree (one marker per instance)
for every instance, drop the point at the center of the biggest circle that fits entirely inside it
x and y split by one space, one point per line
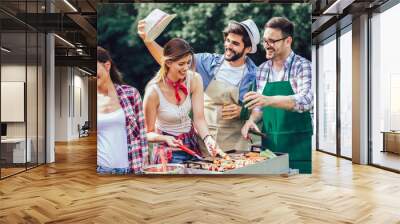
200 24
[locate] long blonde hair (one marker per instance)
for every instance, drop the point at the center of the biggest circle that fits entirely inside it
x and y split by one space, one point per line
174 50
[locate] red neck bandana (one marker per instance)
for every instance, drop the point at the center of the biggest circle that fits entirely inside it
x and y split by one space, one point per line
178 85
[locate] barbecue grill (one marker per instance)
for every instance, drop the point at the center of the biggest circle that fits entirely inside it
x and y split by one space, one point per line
276 165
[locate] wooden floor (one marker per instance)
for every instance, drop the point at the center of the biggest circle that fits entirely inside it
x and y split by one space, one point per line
10 171
70 191
5 172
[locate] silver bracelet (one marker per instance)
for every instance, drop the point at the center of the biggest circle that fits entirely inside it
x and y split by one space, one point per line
206 137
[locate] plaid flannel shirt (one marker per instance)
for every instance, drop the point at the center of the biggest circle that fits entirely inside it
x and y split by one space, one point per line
300 80
131 103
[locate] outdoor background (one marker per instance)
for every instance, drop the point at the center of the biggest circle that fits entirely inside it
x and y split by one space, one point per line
200 24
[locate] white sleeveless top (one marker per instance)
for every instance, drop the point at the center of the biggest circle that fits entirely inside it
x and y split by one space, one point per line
112 145
172 118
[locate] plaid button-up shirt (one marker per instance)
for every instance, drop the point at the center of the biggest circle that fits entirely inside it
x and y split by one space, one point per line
300 80
131 103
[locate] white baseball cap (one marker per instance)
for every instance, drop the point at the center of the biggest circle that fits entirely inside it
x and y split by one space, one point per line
156 22
253 32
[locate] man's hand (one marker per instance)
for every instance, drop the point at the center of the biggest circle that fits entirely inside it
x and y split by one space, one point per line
155 50
141 27
247 126
254 100
231 111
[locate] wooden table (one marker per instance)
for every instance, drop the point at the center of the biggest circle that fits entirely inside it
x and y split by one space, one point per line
14 149
391 141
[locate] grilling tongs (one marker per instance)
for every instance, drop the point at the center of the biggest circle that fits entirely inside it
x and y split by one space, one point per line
255 132
190 152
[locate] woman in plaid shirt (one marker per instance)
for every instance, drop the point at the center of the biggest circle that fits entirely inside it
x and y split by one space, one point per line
121 136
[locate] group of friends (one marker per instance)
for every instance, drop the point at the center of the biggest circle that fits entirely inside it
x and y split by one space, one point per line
207 101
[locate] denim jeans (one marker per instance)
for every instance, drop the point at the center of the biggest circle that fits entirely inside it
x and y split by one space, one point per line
181 157
107 170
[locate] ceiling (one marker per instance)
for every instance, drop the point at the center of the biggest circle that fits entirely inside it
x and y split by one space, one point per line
330 15
74 22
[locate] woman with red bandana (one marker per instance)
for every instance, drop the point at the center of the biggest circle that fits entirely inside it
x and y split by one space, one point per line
169 98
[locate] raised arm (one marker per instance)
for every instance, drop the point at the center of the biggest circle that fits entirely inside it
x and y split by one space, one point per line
155 49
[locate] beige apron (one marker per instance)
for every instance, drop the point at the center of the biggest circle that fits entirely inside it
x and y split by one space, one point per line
227 133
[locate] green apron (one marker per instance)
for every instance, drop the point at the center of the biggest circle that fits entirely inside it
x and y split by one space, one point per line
287 131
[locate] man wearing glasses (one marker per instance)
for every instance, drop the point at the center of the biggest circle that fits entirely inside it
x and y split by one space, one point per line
284 97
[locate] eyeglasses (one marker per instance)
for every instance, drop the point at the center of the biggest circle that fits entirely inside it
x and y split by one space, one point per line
271 42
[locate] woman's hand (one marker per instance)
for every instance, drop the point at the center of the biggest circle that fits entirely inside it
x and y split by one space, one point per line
171 141
212 147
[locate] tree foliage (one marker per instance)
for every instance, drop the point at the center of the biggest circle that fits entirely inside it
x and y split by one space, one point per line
201 24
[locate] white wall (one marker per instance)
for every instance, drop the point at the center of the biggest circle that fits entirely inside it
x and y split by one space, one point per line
61 103
33 126
80 110
71 94
314 89
15 73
